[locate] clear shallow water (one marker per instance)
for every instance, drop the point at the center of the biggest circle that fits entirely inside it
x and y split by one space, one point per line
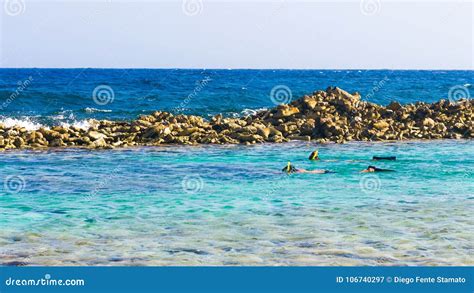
230 205
51 96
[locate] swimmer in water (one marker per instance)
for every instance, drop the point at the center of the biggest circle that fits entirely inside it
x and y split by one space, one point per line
314 156
290 169
372 169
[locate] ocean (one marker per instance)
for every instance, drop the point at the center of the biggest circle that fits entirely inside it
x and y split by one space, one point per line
229 205
54 96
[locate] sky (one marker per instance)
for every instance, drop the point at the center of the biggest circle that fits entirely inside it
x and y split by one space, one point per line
365 34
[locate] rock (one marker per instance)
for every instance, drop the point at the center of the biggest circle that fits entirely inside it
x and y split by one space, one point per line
18 142
248 137
57 143
134 128
286 111
233 125
428 122
99 143
381 125
310 102
300 137
249 129
275 132
217 119
157 131
342 94
394 106
264 132
94 135
188 131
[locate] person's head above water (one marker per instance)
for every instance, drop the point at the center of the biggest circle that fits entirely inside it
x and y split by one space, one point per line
314 156
371 169
289 168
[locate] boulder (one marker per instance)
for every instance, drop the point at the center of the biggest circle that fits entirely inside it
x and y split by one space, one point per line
18 142
286 111
99 143
94 135
381 125
394 106
428 122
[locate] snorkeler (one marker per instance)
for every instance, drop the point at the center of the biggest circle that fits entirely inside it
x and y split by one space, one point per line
314 156
289 169
372 169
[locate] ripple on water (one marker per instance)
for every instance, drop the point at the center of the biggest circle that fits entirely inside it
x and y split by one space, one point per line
246 212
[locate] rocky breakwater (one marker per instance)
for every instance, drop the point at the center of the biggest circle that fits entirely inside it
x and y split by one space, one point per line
331 115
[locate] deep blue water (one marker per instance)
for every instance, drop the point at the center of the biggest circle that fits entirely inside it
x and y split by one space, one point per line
66 95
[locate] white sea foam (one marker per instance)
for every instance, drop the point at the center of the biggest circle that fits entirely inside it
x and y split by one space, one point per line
247 112
92 110
82 124
27 123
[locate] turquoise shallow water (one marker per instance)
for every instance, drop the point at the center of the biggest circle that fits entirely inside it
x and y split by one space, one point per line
230 205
